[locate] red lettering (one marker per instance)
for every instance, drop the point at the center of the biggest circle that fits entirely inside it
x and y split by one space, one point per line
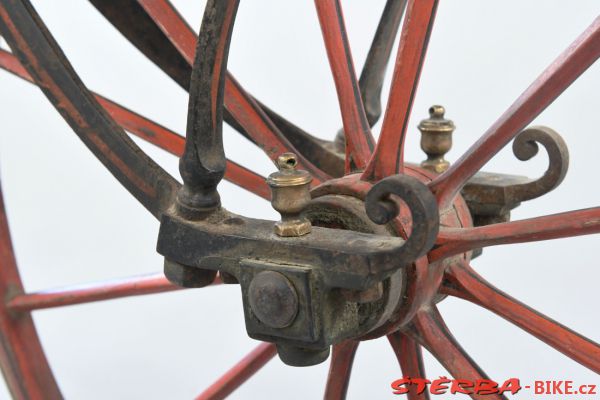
461 385
400 386
538 387
583 389
486 386
556 387
569 387
439 386
421 384
512 385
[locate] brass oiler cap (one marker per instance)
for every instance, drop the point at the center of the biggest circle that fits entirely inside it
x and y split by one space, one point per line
436 139
436 123
288 175
290 194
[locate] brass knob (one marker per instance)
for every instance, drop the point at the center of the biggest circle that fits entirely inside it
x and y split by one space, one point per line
436 139
290 195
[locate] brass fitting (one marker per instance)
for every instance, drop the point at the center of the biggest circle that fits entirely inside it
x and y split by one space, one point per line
289 196
436 139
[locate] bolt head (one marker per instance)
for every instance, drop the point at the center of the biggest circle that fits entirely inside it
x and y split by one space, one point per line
273 299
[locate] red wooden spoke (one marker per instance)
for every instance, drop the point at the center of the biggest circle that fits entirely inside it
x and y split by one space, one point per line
107 290
452 241
153 133
359 141
464 282
409 355
12 64
39 53
240 372
173 26
428 328
249 180
543 91
244 109
24 365
388 157
340 368
174 144
261 129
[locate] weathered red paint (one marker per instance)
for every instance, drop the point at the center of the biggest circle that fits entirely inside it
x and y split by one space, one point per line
153 133
340 368
388 158
410 357
140 181
462 281
12 65
173 25
240 372
418 321
174 144
428 329
238 102
453 241
141 176
98 291
582 53
261 129
24 365
359 140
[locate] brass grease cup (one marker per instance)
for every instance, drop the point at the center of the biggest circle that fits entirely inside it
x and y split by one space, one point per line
290 194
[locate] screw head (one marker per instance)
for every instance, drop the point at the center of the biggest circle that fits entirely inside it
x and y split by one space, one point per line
273 299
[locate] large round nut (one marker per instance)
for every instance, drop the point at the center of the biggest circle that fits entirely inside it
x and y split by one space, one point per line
273 299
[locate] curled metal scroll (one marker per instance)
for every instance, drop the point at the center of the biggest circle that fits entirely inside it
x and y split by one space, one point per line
525 147
422 205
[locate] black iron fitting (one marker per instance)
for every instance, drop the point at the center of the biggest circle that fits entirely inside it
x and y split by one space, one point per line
290 284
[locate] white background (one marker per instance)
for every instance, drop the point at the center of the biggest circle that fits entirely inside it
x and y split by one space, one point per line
72 223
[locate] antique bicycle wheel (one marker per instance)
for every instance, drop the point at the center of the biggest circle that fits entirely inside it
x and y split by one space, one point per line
404 233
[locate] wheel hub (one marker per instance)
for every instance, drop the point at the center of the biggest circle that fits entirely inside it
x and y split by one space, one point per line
306 289
339 204
347 264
